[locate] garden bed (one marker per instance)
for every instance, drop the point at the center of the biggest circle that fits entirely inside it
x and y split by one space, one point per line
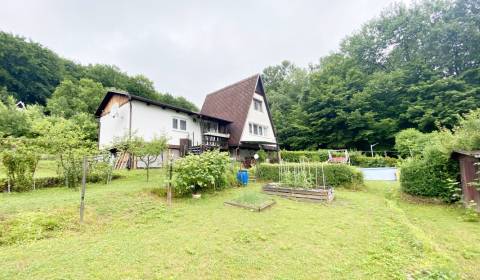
253 201
314 195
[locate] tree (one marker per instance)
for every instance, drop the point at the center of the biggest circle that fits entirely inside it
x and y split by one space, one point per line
149 151
66 140
72 97
412 67
13 121
31 72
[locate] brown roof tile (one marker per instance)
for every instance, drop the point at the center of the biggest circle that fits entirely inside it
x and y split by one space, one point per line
232 103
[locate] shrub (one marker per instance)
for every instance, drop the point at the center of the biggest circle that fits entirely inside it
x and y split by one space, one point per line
297 156
201 172
361 160
410 142
20 160
336 175
430 175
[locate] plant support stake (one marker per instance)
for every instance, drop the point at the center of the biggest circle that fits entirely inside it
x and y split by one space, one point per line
82 194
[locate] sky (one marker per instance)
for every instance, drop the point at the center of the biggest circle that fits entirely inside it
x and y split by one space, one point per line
189 48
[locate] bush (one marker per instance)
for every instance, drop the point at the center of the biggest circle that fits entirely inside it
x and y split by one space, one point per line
430 176
410 142
201 172
336 175
361 160
51 182
297 156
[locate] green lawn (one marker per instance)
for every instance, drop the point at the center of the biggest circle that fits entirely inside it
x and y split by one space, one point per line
130 234
46 168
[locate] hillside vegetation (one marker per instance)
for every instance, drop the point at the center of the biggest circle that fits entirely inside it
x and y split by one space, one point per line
412 67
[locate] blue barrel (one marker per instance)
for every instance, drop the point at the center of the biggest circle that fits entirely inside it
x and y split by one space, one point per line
242 176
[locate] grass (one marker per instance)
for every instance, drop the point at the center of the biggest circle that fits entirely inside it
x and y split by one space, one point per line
129 233
253 200
46 168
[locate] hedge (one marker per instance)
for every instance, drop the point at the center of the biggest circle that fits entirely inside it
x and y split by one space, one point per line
336 175
361 160
431 176
297 156
356 158
49 182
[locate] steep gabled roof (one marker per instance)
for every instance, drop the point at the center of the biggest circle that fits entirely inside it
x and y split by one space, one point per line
232 103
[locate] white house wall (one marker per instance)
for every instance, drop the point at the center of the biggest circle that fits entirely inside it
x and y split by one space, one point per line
151 120
260 118
113 125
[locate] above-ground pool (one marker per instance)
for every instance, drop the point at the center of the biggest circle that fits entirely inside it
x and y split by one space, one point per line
379 173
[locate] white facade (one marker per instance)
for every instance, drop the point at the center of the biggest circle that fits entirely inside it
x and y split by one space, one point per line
148 121
258 127
114 125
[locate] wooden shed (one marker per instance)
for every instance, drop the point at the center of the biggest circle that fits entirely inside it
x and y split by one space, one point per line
469 168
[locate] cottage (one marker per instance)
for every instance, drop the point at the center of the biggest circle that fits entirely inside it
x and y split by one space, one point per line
468 174
235 118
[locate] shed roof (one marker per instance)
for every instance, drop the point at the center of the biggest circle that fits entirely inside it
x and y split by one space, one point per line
475 154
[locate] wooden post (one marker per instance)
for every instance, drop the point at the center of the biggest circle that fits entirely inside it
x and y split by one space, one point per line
82 193
169 188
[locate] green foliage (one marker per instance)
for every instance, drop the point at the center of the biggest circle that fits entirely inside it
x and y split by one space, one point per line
149 151
27 69
431 171
262 155
467 133
411 67
297 156
13 122
206 171
253 199
360 160
471 214
430 175
40 183
410 142
20 159
66 140
336 175
74 97
31 226
32 73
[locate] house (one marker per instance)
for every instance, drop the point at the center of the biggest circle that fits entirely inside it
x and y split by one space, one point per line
235 118
469 161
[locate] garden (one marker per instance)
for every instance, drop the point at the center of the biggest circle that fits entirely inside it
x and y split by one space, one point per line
130 232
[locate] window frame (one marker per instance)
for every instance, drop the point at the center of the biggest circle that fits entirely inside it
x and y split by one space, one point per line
177 124
258 105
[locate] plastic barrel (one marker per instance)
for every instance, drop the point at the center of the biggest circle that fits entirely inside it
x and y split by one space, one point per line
242 177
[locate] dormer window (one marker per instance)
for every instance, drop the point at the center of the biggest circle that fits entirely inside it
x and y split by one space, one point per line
257 105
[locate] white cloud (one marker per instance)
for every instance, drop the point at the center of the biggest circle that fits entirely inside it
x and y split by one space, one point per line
189 48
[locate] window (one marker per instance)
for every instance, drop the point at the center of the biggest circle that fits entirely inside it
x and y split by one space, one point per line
257 105
257 129
175 125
